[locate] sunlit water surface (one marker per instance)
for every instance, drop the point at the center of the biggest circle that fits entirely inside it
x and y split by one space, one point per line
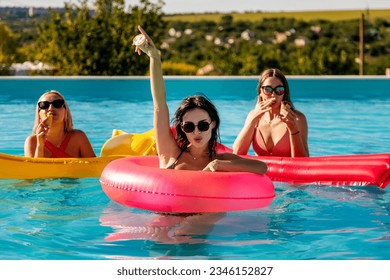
74 219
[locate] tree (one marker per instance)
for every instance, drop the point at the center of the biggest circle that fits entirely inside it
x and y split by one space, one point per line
7 48
99 41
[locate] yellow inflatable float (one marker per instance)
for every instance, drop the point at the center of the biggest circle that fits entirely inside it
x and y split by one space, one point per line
120 145
20 167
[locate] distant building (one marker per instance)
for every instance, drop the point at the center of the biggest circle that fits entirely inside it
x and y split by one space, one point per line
188 31
31 68
31 12
280 37
301 42
247 35
209 69
217 41
316 29
209 37
172 32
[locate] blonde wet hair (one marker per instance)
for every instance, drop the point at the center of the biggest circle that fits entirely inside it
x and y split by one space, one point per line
68 126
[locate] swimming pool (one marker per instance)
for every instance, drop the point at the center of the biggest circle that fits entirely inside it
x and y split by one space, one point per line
73 219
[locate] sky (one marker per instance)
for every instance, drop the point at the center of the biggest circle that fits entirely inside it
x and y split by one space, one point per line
200 6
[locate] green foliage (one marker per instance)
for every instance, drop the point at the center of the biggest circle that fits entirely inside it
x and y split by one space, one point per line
78 41
174 68
330 48
259 16
7 47
378 65
100 43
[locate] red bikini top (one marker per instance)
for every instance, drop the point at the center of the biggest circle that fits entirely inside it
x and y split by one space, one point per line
282 148
58 152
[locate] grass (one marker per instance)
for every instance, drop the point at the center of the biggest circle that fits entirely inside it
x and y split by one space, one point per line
306 16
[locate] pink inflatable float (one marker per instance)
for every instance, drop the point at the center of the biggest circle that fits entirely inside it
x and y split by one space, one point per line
342 170
139 182
351 170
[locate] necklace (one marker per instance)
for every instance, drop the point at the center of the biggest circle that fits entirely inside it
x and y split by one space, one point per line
195 158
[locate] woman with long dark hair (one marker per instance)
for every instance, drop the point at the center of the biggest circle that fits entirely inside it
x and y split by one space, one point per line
197 126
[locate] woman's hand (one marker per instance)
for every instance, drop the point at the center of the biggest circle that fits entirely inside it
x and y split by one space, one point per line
212 166
143 43
42 131
288 116
260 108
244 139
233 163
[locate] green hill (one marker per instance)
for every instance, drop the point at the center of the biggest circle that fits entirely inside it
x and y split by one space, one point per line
306 16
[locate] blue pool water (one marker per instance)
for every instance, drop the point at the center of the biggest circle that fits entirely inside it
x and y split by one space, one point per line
73 218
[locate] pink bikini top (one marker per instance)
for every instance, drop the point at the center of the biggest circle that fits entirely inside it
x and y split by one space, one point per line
281 149
58 152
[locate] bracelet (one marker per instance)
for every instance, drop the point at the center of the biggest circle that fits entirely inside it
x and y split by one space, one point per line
295 133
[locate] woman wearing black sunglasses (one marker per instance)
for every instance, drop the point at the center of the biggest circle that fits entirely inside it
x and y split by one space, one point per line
53 134
274 127
196 122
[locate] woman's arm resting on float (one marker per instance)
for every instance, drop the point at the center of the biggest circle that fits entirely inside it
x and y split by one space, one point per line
235 163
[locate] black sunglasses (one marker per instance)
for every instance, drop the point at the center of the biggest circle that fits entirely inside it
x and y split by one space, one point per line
58 103
279 90
189 127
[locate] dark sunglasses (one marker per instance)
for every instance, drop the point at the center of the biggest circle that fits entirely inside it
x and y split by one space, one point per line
279 90
58 103
189 127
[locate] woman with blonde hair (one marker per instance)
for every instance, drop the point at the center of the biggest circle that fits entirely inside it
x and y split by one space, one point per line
53 135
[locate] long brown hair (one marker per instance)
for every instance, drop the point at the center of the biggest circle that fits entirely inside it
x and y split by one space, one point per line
190 103
68 125
277 74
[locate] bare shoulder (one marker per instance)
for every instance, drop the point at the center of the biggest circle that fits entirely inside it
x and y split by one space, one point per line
31 139
302 121
78 134
300 115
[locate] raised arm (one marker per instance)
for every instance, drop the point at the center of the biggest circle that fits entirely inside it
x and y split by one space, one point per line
166 144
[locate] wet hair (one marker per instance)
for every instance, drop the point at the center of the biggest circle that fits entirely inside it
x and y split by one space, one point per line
68 126
277 74
198 101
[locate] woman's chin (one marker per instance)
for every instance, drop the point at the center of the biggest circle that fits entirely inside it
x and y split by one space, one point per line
198 143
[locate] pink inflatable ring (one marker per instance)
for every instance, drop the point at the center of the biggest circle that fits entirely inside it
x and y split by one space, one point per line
139 182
